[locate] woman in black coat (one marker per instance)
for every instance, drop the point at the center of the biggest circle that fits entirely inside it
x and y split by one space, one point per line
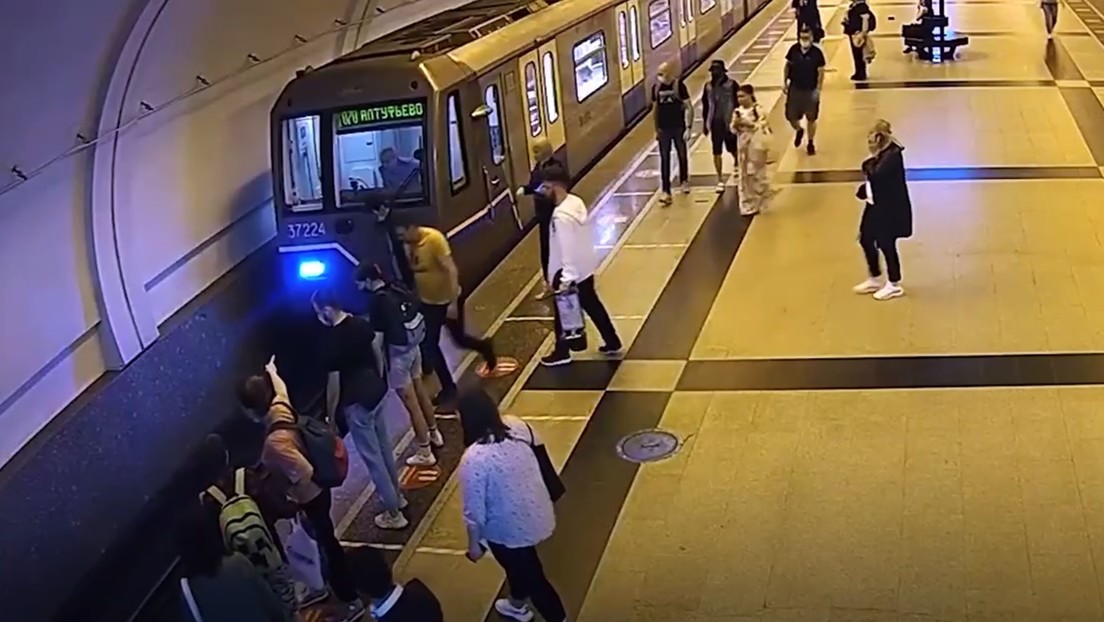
887 216
542 205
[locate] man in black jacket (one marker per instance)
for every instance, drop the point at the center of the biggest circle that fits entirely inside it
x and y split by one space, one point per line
545 159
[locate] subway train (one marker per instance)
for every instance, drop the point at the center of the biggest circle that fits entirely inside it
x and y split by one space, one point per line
433 124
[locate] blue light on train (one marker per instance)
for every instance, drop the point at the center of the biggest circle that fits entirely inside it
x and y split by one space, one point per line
311 269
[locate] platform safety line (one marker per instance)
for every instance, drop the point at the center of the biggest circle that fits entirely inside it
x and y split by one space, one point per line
607 193
379 546
1081 20
645 246
549 318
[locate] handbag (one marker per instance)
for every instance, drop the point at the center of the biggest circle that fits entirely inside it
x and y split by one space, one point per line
552 481
304 558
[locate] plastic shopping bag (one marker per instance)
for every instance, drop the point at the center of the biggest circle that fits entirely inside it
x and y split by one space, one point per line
303 557
572 324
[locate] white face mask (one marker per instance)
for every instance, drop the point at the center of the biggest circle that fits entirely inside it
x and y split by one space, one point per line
805 45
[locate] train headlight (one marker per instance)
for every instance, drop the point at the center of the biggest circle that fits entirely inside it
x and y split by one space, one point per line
311 269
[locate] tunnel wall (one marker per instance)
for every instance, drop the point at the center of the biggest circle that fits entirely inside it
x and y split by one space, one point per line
104 253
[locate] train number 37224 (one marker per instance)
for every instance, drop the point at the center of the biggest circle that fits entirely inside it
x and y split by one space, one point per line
305 230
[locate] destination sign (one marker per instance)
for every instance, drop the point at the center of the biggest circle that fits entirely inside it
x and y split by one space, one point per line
365 115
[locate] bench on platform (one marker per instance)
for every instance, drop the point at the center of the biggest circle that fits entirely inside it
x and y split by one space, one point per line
938 43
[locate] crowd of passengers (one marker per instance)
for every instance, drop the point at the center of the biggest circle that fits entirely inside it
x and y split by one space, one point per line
261 545
238 547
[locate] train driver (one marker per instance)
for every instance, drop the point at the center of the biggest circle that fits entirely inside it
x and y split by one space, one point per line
400 173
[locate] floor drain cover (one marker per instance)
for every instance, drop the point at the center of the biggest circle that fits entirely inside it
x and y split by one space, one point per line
648 446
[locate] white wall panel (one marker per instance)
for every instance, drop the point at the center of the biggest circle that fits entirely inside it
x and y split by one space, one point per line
188 185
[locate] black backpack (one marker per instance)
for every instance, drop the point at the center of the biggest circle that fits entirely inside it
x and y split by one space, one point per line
405 324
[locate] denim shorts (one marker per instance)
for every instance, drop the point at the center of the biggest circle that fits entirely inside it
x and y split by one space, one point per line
405 365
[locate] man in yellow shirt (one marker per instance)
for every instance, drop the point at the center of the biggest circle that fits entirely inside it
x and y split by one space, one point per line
437 283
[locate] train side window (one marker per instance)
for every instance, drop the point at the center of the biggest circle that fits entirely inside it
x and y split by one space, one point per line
532 99
634 41
302 163
591 72
494 124
707 5
458 172
623 38
551 99
659 22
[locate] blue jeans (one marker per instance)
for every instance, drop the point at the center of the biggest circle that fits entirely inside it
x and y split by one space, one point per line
374 446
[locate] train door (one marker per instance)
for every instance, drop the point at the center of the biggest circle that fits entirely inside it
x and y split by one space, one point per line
496 165
728 21
634 98
530 93
688 33
551 91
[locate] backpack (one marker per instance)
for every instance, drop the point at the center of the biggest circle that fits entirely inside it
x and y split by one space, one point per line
323 449
243 527
406 324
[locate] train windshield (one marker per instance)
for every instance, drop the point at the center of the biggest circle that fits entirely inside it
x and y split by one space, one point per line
378 154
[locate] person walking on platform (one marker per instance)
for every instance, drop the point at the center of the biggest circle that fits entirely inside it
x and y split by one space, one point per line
573 263
544 156
264 398
673 115
395 313
507 506
807 16
718 104
858 23
887 212
1050 16
357 387
437 281
749 122
803 80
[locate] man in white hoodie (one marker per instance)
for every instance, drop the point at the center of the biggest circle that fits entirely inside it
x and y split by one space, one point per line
572 261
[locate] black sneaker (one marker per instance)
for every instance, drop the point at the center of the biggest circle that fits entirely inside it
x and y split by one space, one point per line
610 348
798 136
810 148
556 359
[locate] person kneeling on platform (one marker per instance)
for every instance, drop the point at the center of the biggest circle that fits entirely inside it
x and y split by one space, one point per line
573 262
391 602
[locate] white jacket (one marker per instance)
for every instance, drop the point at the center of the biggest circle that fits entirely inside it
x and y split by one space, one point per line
572 244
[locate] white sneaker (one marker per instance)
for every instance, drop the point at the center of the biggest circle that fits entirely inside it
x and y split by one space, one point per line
720 187
505 608
685 187
423 457
889 290
394 522
436 438
868 286
310 597
664 198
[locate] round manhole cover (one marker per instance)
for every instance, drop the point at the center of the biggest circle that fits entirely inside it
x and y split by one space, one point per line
648 446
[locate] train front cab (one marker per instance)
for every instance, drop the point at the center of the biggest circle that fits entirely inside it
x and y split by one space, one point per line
337 153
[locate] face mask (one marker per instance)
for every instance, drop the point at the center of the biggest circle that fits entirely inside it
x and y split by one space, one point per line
805 45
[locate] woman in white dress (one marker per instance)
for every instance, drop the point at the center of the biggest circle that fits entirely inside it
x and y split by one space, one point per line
506 504
749 123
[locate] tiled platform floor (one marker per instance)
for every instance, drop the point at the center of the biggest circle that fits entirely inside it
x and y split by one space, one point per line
819 479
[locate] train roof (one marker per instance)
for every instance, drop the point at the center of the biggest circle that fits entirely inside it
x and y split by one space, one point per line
467 40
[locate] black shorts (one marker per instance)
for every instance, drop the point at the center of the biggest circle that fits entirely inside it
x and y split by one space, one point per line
723 139
802 105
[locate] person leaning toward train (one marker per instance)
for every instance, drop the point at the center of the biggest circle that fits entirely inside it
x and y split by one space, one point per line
264 398
718 105
437 283
544 157
507 506
887 211
673 115
573 261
